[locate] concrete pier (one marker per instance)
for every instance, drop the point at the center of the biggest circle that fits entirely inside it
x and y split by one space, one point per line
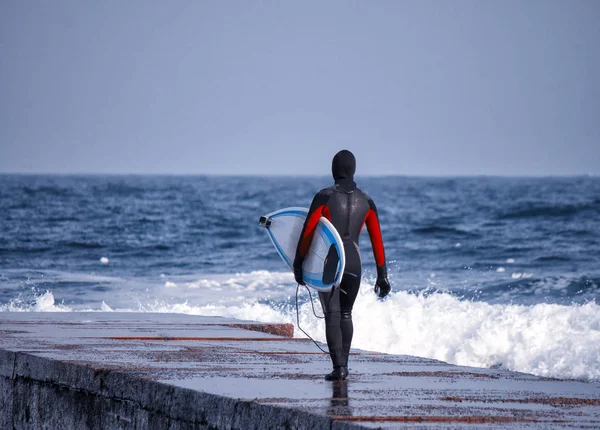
168 371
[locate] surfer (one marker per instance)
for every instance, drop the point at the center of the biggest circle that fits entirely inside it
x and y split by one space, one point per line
348 208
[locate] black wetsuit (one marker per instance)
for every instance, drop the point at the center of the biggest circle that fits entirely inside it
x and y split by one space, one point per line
349 209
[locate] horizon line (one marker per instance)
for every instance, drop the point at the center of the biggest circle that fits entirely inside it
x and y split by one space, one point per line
304 175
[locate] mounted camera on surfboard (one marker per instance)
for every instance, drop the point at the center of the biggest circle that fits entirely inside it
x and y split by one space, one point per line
324 264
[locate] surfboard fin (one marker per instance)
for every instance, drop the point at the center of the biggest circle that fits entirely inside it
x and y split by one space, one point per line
330 265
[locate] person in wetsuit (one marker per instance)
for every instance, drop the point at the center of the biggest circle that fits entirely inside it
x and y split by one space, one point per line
348 208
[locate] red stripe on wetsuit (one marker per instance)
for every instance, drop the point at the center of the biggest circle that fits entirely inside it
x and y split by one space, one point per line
372 222
310 226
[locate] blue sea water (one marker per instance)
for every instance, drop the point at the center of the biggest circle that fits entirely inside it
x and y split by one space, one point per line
485 271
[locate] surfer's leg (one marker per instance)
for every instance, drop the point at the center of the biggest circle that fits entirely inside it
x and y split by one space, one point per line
330 301
350 285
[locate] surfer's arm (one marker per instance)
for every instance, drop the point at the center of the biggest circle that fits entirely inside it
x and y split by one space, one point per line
317 209
382 285
308 230
372 222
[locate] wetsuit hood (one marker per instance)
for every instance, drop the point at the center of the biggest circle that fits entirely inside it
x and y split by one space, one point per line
343 167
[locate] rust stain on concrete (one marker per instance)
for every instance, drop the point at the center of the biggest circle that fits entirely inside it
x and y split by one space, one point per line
439 419
286 330
440 374
553 401
280 352
204 339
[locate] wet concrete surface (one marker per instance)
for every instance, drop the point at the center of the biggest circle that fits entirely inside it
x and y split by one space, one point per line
128 370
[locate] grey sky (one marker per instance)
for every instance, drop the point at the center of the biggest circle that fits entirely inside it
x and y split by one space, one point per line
411 87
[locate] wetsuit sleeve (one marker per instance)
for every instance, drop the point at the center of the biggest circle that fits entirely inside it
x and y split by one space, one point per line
318 208
372 222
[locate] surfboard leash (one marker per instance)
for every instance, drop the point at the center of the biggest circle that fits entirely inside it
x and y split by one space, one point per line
313 303
298 317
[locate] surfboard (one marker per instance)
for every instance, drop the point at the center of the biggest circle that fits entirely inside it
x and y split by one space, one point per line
324 264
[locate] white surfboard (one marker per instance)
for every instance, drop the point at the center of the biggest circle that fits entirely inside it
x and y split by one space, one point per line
324 264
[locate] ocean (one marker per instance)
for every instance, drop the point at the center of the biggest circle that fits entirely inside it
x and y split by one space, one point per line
487 272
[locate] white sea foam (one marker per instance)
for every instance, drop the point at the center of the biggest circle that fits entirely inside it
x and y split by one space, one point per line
517 275
543 339
43 303
105 308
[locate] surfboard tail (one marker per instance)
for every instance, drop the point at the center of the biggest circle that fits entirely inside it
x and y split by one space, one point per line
264 221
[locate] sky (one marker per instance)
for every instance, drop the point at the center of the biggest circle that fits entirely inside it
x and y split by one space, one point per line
419 87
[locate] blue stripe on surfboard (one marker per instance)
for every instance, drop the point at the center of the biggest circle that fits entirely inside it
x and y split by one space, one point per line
295 212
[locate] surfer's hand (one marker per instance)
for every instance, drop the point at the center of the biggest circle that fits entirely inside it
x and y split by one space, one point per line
298 269
382 286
